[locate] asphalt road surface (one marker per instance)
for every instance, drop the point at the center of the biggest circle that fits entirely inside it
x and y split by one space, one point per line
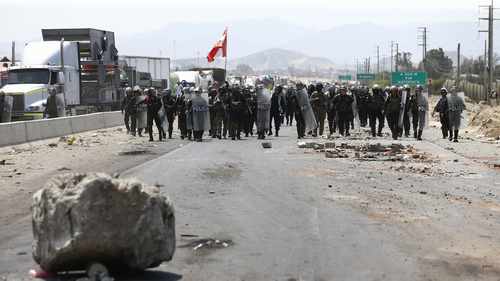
289 213
292 214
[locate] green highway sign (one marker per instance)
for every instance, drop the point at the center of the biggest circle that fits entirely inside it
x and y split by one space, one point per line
346 77
365 76
410 78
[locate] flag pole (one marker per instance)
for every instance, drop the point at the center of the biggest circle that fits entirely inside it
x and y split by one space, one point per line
225 68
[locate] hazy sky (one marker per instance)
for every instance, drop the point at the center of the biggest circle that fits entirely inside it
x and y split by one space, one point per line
23 19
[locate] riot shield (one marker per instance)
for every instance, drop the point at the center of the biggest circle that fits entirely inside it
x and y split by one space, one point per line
200 114
142 113
355 112
307 112
6 109
404 95
456 109
263 109
423 107
163 119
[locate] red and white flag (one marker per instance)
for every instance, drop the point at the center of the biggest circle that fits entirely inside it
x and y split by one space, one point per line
219 49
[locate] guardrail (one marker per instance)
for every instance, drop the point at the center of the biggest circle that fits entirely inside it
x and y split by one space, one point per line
27 131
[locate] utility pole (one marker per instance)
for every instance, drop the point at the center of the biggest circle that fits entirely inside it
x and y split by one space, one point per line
423 44
397 56
457 82
485 80
378 60
491 63
392 54
13 54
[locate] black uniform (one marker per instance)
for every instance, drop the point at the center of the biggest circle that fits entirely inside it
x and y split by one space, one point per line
442 108
290 106
212 95
236 105
406 117
154 105
252 107
277 104
318 104
225 96
125 111
299 119
331 112
170 106
245 112
392 108
343 107
181 112
362 102
375 107
413 112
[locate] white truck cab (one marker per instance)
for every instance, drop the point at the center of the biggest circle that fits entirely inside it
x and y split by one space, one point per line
44 68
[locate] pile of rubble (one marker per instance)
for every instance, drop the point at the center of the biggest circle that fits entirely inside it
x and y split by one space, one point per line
368 152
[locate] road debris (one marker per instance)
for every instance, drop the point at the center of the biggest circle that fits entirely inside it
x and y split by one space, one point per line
82 218
71 140
133 152
267 145
208 243
63 169
368 152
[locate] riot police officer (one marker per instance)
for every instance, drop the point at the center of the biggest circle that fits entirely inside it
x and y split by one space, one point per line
423 108
276 110
392 111
169 106
330 111
153 104
442 108
235 113
318 103
125 110
375 107
343 107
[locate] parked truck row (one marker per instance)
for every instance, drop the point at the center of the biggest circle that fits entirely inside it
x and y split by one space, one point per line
82 72
82 68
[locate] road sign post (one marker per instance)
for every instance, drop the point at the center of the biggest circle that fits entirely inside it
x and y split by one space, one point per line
409 78
346 77
365 76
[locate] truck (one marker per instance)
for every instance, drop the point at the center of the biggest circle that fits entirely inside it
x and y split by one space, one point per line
199 77
79 65
145 71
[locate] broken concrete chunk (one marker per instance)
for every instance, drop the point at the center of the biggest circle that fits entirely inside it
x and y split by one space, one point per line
303 144
329 145
267 145
80 219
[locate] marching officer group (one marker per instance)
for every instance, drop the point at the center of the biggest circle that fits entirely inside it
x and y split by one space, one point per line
231 111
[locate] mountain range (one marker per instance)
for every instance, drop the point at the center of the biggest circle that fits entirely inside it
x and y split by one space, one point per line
270 59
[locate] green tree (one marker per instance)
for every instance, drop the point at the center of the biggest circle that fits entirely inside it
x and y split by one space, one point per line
437 64
404 61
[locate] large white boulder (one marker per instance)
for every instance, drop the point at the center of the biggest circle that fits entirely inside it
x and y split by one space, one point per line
83 218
